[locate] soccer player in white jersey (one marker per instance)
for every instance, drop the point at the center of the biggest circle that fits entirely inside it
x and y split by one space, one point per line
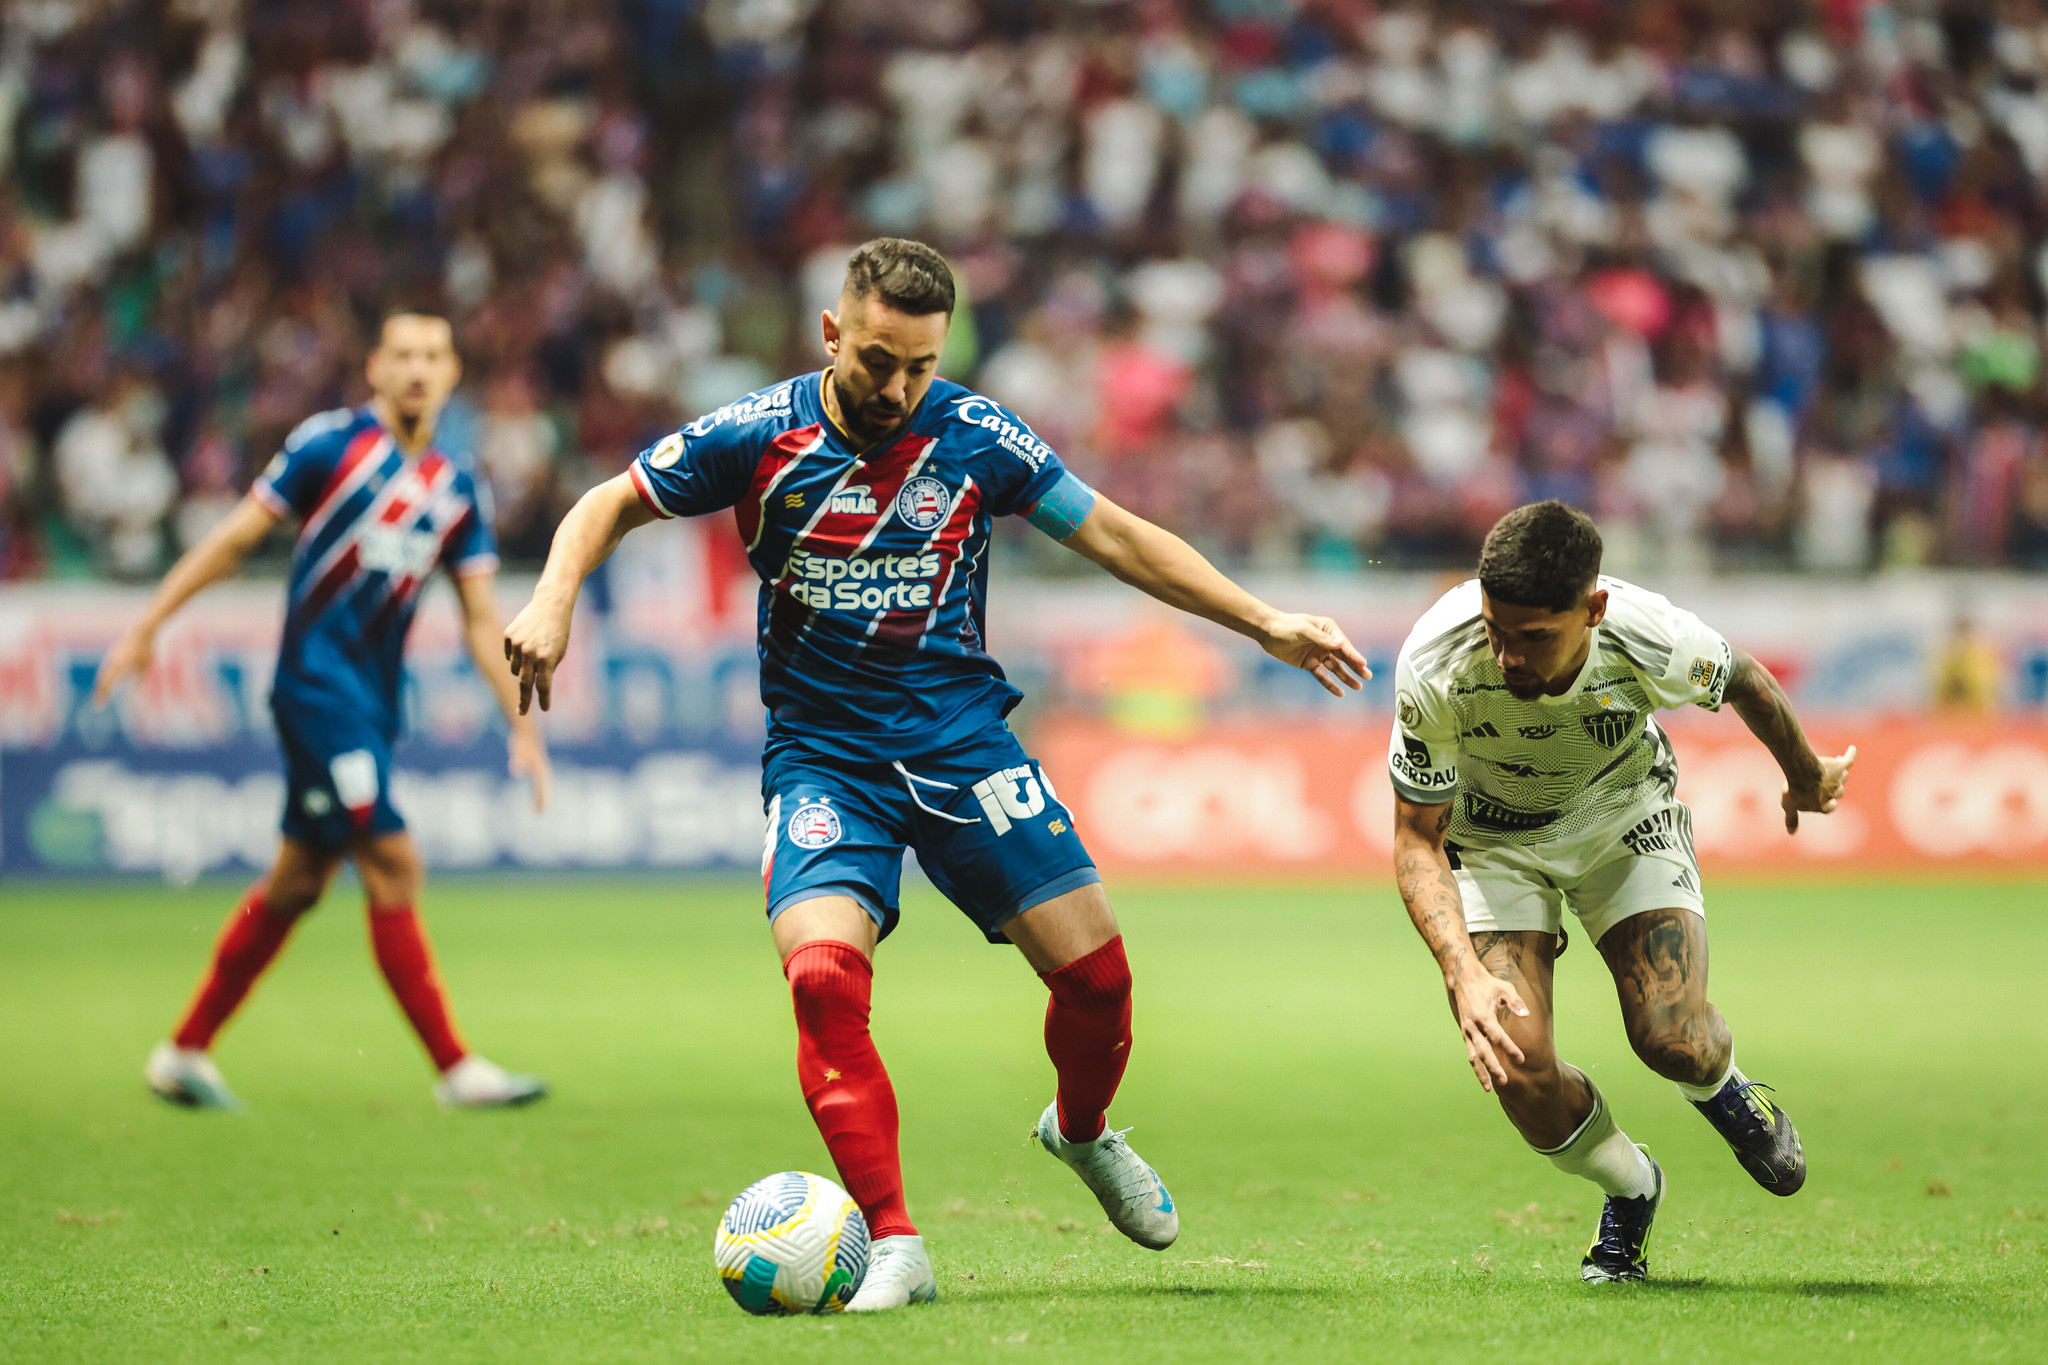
1531 778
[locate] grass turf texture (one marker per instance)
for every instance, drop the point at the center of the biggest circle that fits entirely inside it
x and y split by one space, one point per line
1346 1190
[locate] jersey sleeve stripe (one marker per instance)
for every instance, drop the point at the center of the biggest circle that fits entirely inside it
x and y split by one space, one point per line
1417 794
1649 657
645 488
1450 646
475 565
364 456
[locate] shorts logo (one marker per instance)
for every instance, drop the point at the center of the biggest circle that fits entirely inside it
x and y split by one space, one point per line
815 825
923 504
355 778
317 803
1702 672
1011 794
1407 710
666 452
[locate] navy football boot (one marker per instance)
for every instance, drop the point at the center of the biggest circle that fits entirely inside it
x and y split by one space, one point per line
1616 1256
1760 1133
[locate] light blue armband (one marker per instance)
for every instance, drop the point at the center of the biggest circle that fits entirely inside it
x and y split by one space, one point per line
1063 508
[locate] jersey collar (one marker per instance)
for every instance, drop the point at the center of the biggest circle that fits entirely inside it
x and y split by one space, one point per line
1570 696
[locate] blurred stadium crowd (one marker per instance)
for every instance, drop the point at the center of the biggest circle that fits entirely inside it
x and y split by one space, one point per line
1316 282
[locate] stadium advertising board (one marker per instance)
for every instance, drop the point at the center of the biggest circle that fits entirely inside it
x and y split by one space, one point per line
1314 798
657 728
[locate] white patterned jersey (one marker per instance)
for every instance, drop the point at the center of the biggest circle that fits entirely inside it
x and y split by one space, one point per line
1563 777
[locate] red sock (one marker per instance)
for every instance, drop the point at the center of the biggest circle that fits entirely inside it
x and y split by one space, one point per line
1088 1036
843 1080
248 942
407 961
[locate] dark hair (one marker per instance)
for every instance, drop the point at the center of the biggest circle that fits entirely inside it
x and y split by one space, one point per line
409 309
1544 555
906 275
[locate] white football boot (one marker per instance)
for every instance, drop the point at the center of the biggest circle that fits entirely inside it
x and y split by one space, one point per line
1131 1192
480 1083
186 1076
899 1274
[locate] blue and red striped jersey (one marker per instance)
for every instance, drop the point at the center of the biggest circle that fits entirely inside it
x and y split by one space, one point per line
374 525
873 566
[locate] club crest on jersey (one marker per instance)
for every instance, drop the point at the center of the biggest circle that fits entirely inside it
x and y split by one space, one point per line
815 825
923 504
1608 728
858 499
667 452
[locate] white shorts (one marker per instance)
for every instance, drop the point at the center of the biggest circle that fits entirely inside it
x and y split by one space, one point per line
1651 867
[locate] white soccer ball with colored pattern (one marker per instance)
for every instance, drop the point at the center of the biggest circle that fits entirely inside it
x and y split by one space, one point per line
792 1243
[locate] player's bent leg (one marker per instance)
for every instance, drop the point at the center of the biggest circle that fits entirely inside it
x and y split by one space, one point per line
1562 1115
827 943
1072 941
1539 1095
179 1069
392 879
1659 962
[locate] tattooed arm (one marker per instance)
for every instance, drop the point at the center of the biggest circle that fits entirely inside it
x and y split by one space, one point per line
1811 782
1422 871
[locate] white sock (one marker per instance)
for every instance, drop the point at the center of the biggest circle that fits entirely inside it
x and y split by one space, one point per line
1600 1152
1700 1094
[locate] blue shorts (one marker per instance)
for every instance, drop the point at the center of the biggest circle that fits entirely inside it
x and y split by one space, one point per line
337 780
983 818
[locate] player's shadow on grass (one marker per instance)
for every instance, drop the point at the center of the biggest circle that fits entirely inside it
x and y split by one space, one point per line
1244 1293
1810 1289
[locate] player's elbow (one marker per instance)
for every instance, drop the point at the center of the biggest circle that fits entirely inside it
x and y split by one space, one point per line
1419 825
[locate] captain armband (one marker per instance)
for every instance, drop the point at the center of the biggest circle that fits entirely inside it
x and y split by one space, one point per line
1063 508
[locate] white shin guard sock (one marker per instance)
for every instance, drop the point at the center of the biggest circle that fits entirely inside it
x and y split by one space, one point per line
1700 1094
1602 1153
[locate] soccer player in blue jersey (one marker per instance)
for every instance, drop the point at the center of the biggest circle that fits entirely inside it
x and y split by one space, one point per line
865 496
379 511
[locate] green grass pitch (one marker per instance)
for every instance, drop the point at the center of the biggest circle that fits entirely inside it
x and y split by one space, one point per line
1347 1191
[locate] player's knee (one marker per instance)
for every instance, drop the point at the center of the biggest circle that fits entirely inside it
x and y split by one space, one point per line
1675 1051
1531 1083
825 972
1100 980
292 889
291 897
391 872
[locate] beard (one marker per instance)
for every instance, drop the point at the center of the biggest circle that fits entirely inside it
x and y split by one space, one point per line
867 423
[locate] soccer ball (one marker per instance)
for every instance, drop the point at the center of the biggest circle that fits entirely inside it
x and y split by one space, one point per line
792 1243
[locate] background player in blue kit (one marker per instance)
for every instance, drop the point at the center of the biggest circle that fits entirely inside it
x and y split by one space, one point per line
380 510
865 496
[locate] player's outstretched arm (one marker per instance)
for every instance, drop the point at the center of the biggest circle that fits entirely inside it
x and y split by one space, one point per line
1422 871
1811 782
527 751
539 635
215 557
1159 562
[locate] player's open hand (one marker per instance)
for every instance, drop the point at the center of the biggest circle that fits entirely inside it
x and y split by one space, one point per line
130 657
534 645
528 758
1317 645
1821 795
1478 1000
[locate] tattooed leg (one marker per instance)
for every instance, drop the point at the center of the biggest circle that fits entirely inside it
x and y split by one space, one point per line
1659 962
1545 1099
